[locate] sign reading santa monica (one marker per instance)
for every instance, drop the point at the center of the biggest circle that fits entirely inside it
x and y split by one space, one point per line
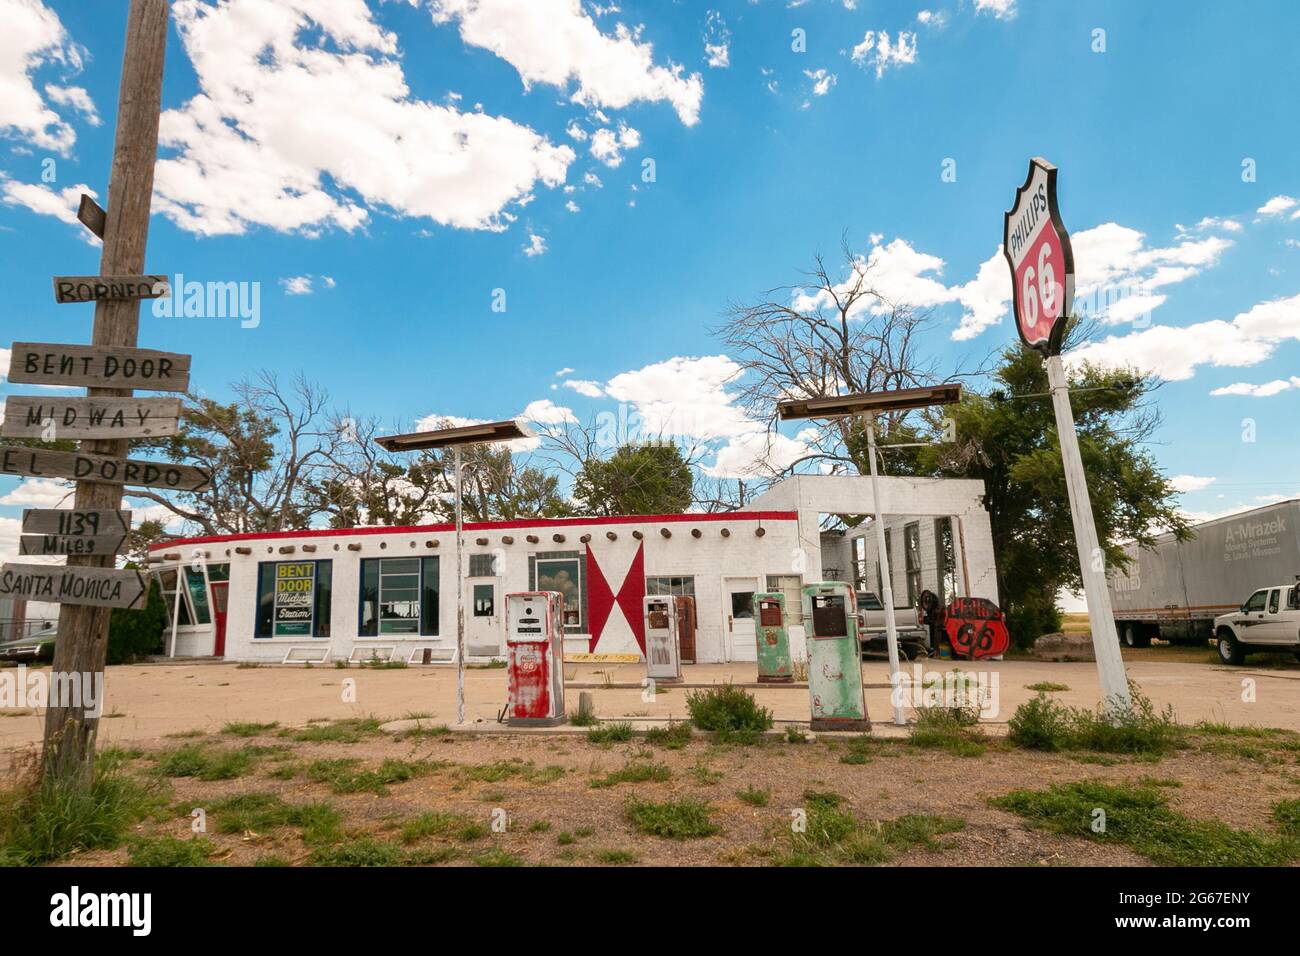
1037 249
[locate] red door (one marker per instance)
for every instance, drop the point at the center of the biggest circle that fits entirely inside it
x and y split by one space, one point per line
219 591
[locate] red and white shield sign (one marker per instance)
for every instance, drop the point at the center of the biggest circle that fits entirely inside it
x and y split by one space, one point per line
1038 251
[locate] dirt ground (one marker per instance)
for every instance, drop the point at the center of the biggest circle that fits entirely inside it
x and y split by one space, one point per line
150 701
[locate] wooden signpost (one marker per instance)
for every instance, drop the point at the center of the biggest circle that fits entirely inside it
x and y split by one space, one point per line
82 586
71 544
108 288
91 366
65 521
32 416
47 463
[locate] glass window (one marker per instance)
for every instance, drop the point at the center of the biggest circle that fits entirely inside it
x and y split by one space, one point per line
1256 602
218 572
429 590
167 580
1274 599
742 604
661 586
482 566
293 599
912 559
791 585
485 596
198 590
563 575
399 596
859 564
946 559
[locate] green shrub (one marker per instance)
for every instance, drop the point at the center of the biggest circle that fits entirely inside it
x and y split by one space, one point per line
682 819
610 733
728 710
1044 724
946 728
1039 724
673 737
134 635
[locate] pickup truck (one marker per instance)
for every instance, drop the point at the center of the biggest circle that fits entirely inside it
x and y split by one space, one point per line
1268 621
913 636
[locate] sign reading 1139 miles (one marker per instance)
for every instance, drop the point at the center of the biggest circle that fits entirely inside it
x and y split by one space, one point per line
1037 248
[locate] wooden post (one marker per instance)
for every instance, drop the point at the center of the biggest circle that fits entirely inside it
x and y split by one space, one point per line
83 631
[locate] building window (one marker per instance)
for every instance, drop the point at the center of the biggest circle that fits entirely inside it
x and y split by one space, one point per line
859 564
485 600
482 566
293 599
912 557
399 596
167 580
198 590
663 586
562 571
791 585
946 558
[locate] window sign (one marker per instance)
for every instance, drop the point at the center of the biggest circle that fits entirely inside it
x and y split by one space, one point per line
295 588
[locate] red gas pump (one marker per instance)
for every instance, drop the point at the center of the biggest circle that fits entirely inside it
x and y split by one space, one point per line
535 644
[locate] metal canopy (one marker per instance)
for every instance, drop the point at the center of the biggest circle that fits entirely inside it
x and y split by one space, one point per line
837 406
462 435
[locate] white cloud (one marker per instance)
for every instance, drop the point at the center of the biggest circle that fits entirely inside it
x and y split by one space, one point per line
717 41
556 43
576 132
1185 483
546 412
877 51
34 38
592 180
297 285
607 145
934 19
1263 390
304 121
822 81
44 201
1277 205
1002 9
583 386
40 493
536 246
572 206
1173 353
564 371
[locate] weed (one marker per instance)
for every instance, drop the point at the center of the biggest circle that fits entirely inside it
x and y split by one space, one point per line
644 772
682 819
673 737
349 730
728 709
170 851
610 733
247 729
615 857
755 796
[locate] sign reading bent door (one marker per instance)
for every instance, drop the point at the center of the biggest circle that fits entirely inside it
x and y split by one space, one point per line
295 604
98 366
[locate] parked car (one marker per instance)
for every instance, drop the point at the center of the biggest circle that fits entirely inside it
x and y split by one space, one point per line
38 646
1268 621
913 636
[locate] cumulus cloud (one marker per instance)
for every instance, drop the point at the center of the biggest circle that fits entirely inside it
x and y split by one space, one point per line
583 386
1262 390
1002 9
1185 483
717 41
304 121
1278 205
536 246
41 199
822 81
34 39
878 52
556 43
607 145
546 412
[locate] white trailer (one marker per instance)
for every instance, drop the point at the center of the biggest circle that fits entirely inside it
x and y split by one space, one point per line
1175 590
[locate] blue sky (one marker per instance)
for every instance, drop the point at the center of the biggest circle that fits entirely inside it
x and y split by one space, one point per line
386 170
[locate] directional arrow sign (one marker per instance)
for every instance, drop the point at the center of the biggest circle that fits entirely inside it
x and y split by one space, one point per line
71 544
92 215
99 288
98 366
64 521
99 587
28 416
46 463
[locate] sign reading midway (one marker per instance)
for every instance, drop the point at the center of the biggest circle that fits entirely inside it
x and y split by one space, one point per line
28 416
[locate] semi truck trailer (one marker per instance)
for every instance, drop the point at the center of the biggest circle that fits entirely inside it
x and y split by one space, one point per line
1175 590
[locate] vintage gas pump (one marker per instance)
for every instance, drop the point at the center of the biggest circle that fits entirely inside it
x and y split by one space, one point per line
535 643
774 666
686 627
663 662
834 658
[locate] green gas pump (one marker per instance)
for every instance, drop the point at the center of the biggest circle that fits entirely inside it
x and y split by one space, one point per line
774 665
834 658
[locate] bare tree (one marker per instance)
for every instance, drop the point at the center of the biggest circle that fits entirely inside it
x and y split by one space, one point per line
834 335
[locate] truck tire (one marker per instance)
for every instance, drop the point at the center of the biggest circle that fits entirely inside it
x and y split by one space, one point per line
1136 636
1230 649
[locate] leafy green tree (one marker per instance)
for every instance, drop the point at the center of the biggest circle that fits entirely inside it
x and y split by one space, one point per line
650 478
1007 438
133 635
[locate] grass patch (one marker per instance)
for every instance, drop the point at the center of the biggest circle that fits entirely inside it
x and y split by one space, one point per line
343 776
364 852
497 857
1044 724
831 835
208 763
515 768
729 711
1139 817
423 732
435 823
610 733
643 772
615 857
682 819
262 812
1047 687
170 851
950 729
673 737
755 796
248 728
349 730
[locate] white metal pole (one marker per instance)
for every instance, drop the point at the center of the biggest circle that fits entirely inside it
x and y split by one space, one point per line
460 601
1105 641
886 580
176 608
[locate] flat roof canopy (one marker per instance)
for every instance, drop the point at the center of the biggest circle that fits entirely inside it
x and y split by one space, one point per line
464 435
837 406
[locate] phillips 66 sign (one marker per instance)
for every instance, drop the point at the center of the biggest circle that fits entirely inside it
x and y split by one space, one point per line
1038 251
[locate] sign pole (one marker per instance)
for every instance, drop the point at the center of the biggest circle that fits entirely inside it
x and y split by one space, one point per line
886 580
69 730
1105 639
460 597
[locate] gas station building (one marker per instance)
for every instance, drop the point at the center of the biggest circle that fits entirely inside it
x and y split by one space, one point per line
389 593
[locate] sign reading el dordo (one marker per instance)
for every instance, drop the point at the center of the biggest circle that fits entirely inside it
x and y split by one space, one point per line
48 463
1037 249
